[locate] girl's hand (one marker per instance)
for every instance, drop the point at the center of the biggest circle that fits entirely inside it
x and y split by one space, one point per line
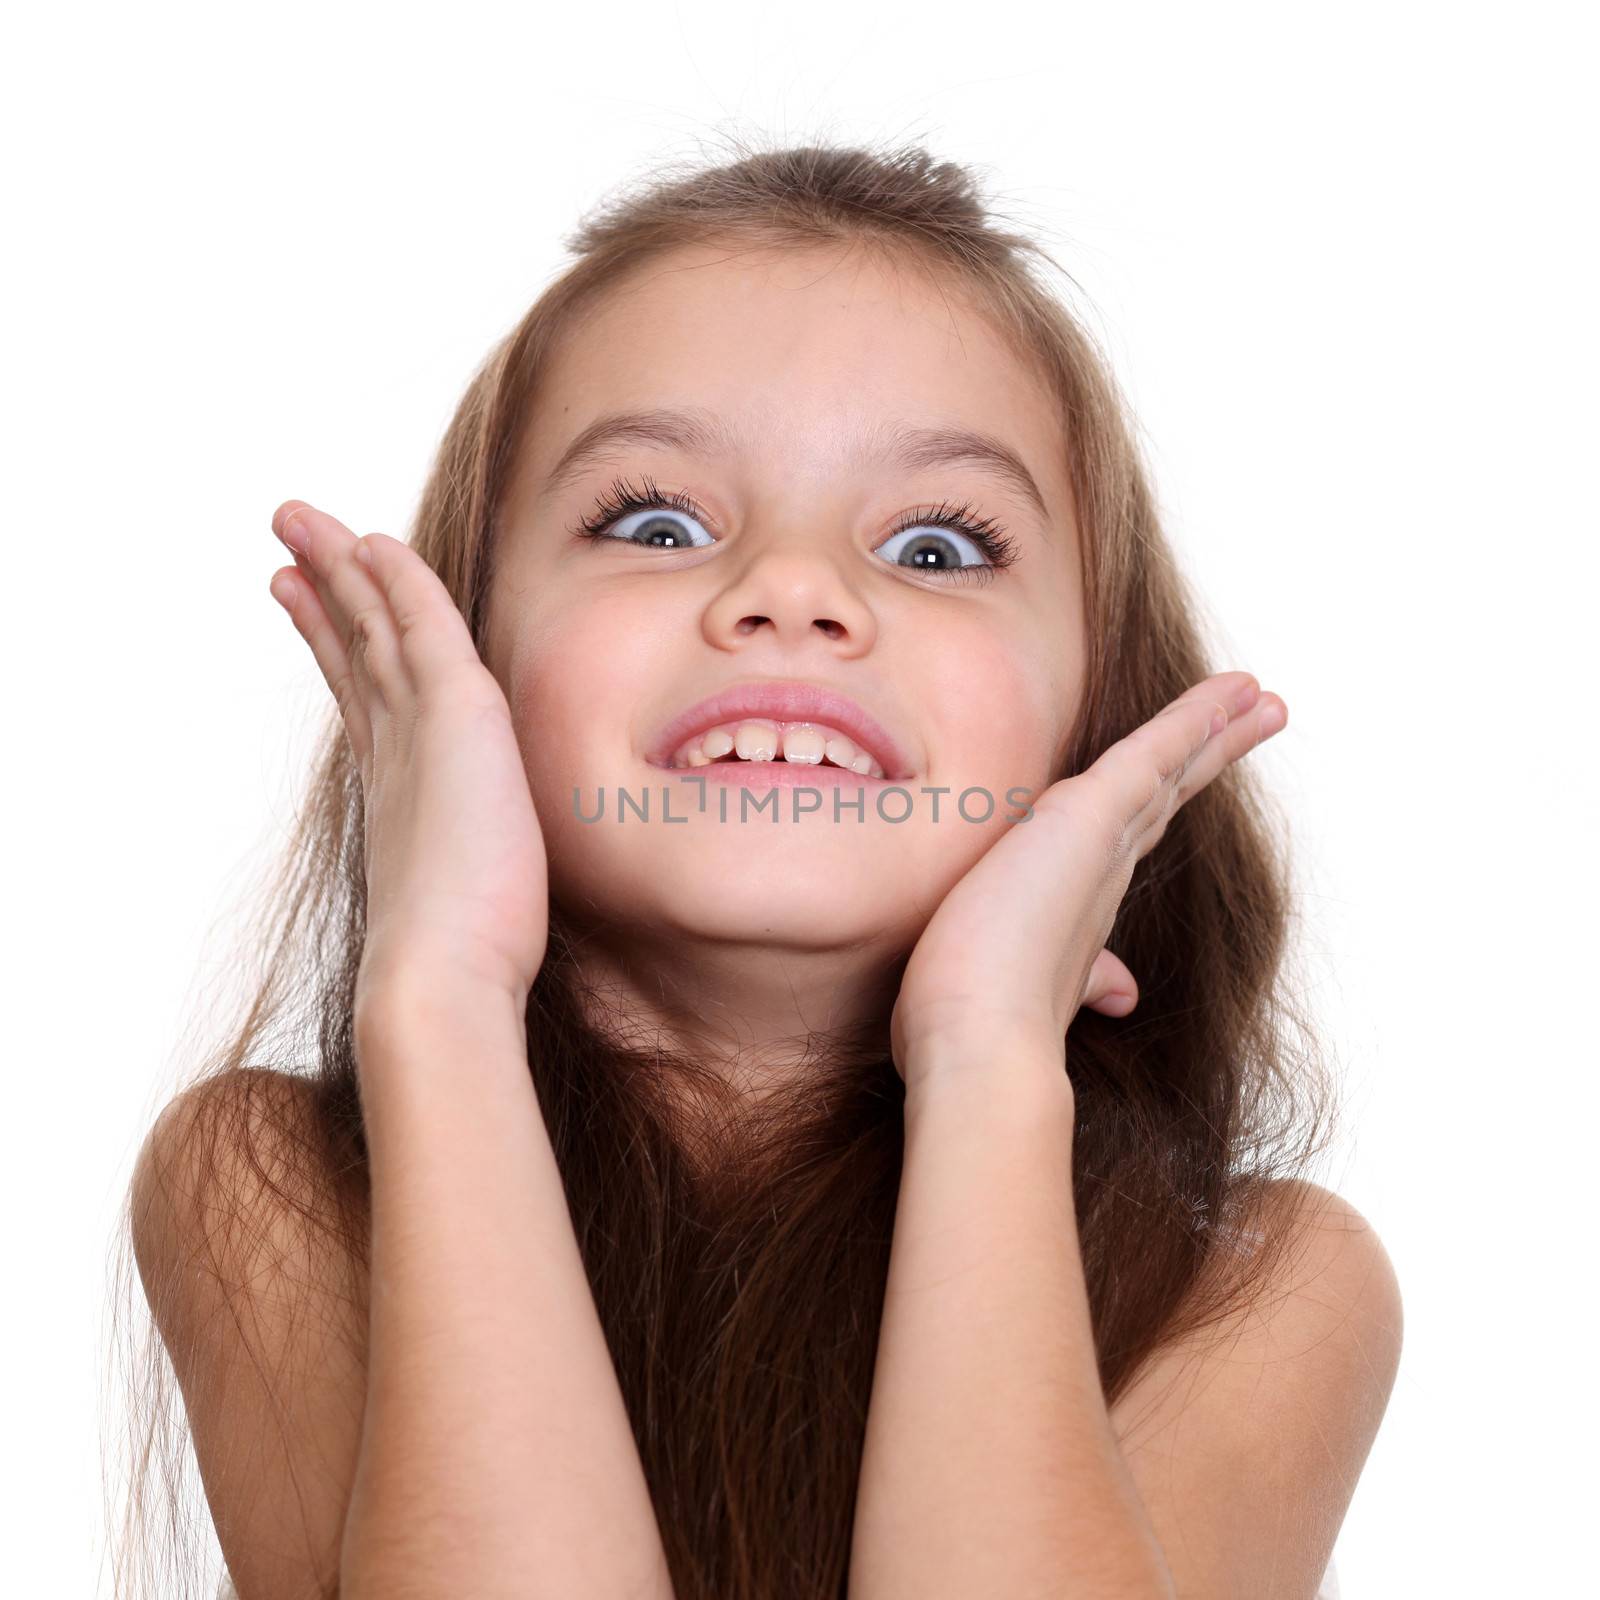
455 860
1018 944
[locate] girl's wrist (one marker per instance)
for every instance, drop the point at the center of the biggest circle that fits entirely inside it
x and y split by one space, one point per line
404 1001
1020 1070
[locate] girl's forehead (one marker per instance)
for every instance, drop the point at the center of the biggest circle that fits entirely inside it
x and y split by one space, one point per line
772 329
797 417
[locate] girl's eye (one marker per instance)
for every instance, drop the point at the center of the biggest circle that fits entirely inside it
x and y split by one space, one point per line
658 529
941 534
934 536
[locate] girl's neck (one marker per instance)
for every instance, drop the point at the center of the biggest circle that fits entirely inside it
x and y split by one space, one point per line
753 1014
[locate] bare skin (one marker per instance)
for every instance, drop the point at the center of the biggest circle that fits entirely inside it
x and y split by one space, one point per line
733 941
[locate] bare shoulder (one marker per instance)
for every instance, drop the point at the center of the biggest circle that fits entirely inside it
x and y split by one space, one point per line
1335 1279
232 1187
263 1314
243 1145
1247 1438
251 1108
1331 1307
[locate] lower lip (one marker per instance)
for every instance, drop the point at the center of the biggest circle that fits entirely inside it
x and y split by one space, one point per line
778 775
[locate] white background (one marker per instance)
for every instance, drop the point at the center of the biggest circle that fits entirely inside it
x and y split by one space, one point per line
1343 261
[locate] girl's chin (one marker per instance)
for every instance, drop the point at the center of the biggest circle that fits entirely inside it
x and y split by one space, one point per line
743 886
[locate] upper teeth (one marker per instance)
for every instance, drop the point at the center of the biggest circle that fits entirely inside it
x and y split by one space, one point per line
760 740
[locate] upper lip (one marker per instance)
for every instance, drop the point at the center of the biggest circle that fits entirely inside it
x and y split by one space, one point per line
785 700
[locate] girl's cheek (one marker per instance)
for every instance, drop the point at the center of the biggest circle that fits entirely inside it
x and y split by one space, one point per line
576 695
1003 715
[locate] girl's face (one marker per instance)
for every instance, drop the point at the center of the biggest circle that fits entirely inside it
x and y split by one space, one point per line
805 547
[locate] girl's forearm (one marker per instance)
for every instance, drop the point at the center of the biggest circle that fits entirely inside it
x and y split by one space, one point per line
990 1465
497 1459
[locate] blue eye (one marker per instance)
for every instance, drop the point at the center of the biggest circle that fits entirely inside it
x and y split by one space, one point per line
624 500
940 530
937 532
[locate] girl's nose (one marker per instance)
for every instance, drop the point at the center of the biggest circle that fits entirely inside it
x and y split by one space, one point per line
795 590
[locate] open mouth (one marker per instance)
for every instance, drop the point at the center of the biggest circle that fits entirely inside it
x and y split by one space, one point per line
778 725
763 740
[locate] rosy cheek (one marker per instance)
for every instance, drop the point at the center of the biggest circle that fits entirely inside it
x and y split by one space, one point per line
992 713
574 697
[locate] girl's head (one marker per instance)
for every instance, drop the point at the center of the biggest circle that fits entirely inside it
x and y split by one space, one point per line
798 419
812 311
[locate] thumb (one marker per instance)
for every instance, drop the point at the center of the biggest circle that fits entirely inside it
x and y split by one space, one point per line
1111 988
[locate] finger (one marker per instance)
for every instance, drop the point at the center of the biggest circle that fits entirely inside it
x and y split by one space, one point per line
1269 715
1186 748
433 637
1139 774
353 602
282 514
1237 691
1111 987
299 599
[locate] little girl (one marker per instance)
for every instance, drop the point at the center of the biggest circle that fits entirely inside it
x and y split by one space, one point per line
733 1161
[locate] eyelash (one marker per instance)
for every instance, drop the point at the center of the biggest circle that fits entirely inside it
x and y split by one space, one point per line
623 498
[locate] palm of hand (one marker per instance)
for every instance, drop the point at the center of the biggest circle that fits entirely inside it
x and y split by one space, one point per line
1018 944
456 874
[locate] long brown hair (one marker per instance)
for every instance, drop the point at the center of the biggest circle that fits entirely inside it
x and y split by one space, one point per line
738 1258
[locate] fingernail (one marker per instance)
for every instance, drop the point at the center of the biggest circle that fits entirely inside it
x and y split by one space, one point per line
293 534
1273 717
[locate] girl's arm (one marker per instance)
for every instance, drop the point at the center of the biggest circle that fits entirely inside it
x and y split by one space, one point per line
990 1466
991 1463
264 1319
497 1459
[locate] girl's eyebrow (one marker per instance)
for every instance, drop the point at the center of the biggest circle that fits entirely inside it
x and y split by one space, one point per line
703 433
